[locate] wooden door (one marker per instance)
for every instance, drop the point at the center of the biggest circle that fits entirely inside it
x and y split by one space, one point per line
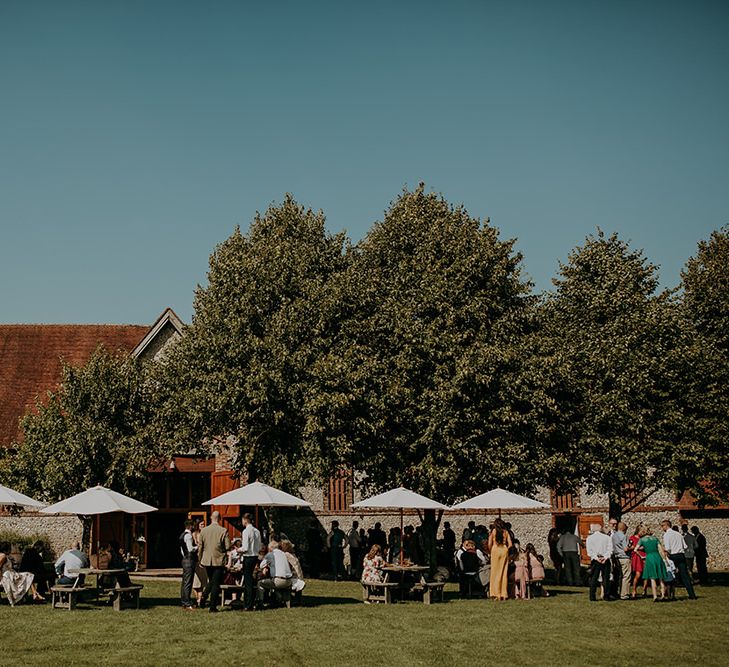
584 529
222 482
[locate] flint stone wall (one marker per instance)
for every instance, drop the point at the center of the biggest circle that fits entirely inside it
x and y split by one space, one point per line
59 530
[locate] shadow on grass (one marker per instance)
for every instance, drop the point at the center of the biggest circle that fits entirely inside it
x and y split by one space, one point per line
149 602
326 600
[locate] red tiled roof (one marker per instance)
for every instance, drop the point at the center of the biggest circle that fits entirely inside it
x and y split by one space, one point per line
30 361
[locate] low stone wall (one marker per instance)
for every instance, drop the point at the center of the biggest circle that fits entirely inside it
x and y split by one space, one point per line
59 530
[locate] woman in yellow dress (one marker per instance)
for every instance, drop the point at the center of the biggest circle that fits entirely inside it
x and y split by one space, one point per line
499 544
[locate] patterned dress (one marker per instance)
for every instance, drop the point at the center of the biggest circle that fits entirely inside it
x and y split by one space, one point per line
371 572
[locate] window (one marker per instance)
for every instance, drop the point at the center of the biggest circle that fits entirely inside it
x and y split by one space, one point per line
630 497
338 493
565 502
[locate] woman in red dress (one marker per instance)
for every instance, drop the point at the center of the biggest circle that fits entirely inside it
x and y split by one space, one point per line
637 560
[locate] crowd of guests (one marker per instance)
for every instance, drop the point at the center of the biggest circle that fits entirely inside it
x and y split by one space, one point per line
620 563
210 559
32 576
487 561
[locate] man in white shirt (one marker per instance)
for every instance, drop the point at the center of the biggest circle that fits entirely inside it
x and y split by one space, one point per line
188 551
279 570
600 549
675 547
68 565
250 546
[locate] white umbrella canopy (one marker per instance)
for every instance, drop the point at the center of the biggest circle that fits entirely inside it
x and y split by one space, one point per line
98 500
499 499
8 497
400 498
260 495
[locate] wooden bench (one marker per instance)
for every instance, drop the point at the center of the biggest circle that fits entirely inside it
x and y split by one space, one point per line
64 597
432 591
230 589
131 593
381 592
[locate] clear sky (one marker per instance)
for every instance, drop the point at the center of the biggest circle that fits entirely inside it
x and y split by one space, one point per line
135 135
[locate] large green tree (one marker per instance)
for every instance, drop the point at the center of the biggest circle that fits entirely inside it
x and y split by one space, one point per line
243 367
706 307
92 430
634 367
429 381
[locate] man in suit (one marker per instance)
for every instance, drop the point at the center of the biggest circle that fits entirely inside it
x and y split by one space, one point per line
212 551
701 554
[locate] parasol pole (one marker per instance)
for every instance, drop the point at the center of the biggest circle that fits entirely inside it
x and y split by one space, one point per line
401 536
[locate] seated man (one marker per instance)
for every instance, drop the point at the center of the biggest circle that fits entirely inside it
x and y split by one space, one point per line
279 572
470 561
68 565
297 580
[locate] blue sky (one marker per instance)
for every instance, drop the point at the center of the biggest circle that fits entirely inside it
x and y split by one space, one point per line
135 135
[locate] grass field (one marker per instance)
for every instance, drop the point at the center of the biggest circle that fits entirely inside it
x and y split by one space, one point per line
334 627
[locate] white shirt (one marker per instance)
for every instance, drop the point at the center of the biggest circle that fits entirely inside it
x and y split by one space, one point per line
72 560
673 542
191 548
278 564
599 546
251 541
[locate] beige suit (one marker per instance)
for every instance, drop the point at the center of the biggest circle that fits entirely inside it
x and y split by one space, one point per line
213 545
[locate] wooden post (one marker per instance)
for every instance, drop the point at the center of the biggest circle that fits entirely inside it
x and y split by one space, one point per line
401 536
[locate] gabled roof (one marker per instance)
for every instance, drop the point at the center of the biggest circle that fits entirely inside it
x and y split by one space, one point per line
30 361
167 319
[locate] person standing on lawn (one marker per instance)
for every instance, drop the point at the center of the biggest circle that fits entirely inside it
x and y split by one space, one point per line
449 540
188 551
250 546
355 550
213 547
654 569
568 547
335 541
691 546
675 547
600 550
499 544
702 555
621 560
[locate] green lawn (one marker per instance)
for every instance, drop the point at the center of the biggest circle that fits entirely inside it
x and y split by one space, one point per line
334 627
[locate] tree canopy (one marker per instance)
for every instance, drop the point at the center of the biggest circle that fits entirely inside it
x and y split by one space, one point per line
635 368
242 368
427 383
94 429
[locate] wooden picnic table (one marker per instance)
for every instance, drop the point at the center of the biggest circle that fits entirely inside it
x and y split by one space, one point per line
382 592
391 570
101 573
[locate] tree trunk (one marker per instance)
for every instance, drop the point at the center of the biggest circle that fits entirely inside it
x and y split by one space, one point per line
615 504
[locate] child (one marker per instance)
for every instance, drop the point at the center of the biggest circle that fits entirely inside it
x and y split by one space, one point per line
670 579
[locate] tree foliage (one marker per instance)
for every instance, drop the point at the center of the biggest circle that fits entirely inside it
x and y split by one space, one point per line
92 430
706 289
429 382
242 368
706 309
635 369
